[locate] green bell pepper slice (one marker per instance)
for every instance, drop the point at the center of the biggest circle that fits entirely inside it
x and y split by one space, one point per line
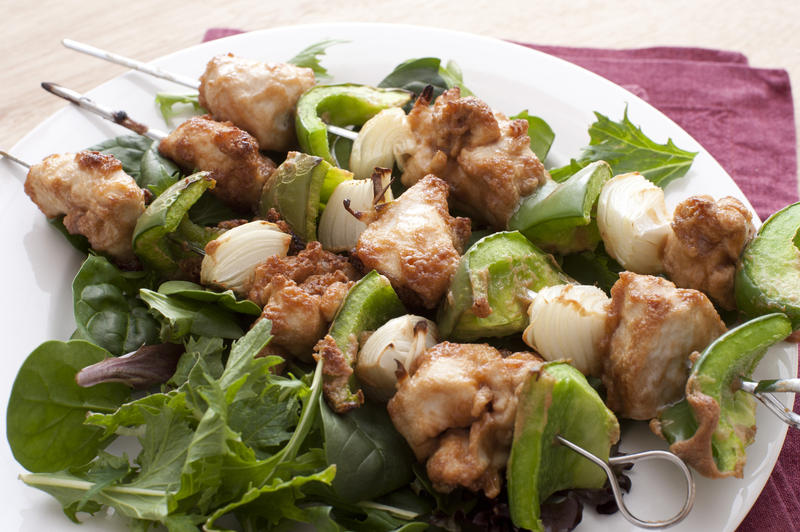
556 400
768 275
557 217
299 189
711 427
165 225
339 105
490 291
370 303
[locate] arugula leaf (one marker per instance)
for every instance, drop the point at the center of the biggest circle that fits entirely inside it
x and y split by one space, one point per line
540 133
47 408
133 414
180 317
167 101
415 74
627 149
309 57
275 501
140 160
70 490
203 358
276 409
196 292
372 458
107 311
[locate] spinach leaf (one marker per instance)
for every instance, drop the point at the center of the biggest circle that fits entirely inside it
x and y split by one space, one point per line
540 133
310 57
156 172
128 149
107 311
592 268
627 149
193 291
47 408
180 317
415 74
167 101
140 160
210 210
371 457
78 241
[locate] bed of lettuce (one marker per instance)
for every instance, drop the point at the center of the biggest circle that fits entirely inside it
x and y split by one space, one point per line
229 440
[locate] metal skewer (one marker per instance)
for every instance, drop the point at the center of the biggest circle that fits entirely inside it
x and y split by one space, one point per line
16 160
762 391
631 458
130 63
163 74
118 117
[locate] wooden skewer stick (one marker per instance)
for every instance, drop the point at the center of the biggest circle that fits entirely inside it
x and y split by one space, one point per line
163 74
118 117
16 160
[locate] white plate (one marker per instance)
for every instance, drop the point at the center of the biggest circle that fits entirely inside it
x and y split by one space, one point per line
37 264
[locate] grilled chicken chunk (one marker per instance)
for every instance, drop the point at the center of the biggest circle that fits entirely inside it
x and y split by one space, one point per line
456 409
415 243
704 246
260 98
229 153
484 157
653 328
97 198
300 295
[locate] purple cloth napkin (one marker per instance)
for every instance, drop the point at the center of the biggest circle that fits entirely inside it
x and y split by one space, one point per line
745 118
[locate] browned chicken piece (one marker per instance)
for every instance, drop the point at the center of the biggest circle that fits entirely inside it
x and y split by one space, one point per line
260 98
97 198
415 243
301 295
652 329
456 409
229 153
484 157
307 267
704 246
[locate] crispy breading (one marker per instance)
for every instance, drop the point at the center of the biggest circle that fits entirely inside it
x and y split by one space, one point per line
484 157
415 243
704 246
652 329
456 409
260 98
229 153
97 198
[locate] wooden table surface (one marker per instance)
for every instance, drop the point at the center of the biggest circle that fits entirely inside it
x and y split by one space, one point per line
765 30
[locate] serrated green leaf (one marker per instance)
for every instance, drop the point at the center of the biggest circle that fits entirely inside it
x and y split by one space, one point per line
626 148
310 57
